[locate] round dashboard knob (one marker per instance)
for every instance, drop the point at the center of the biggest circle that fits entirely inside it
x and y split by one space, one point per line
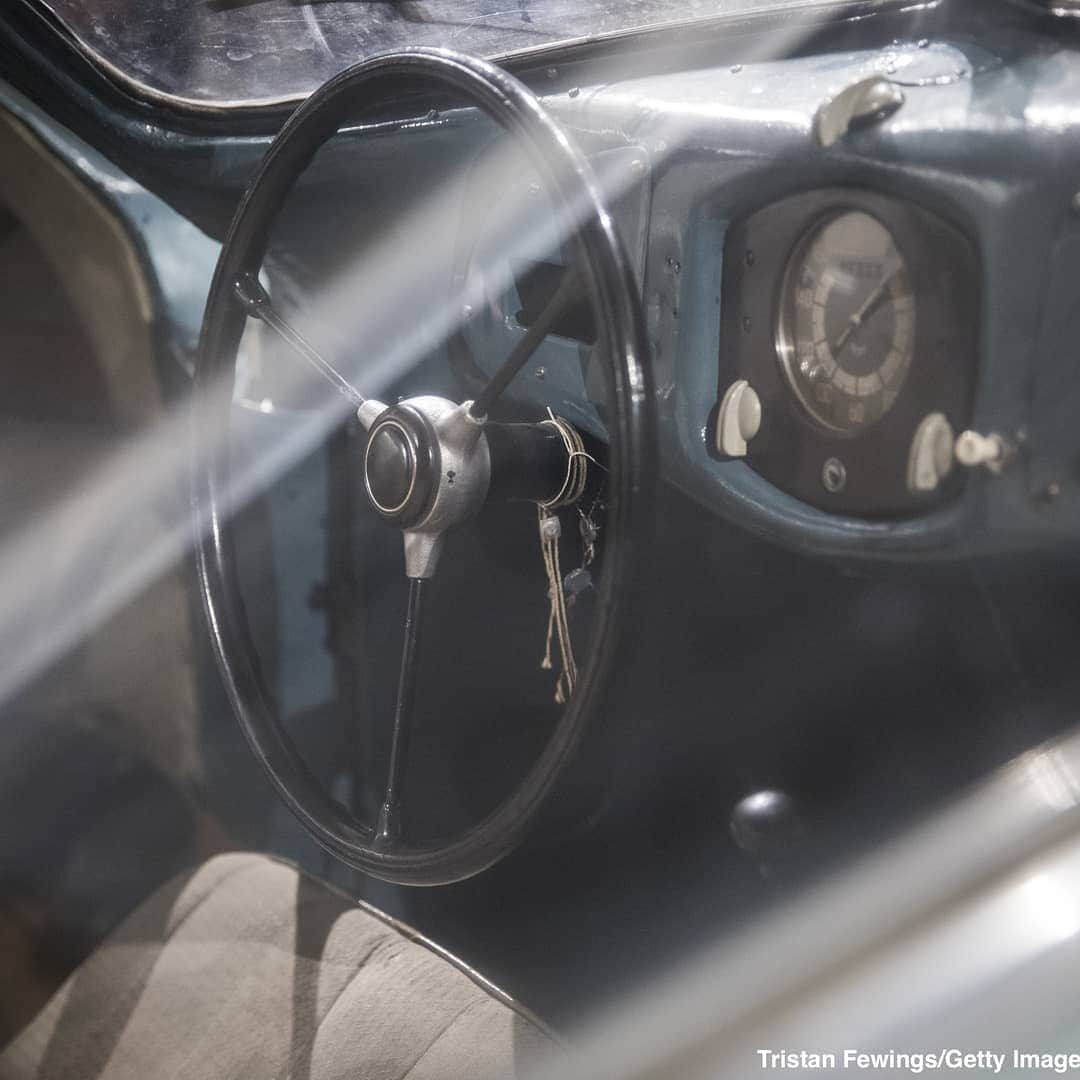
738 419
930 459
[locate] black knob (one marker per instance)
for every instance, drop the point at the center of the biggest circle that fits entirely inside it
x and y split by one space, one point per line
389 467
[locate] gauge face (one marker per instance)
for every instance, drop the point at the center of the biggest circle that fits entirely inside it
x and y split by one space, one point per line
846 330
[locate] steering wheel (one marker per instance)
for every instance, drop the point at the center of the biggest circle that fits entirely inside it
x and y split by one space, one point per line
429 463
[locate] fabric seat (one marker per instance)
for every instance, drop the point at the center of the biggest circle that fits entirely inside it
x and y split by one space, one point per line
247 968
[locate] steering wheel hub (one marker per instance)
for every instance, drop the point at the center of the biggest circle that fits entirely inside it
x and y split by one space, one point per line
426 467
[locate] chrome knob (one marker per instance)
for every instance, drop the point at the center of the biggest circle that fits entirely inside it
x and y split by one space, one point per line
973 449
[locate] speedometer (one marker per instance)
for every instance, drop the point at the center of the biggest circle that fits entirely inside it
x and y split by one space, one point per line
845 334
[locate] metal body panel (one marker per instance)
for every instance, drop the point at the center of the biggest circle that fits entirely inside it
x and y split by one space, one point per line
178 257
982 139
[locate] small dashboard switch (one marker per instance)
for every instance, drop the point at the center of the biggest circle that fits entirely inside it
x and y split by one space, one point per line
973 449
738 419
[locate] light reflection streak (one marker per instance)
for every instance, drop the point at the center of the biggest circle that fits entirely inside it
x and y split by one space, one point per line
75 563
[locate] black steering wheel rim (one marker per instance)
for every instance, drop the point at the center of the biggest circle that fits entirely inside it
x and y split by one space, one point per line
610 279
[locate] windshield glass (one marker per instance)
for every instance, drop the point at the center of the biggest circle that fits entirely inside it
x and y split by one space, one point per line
248 52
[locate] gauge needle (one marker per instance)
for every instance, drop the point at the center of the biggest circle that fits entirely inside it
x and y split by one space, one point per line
870 305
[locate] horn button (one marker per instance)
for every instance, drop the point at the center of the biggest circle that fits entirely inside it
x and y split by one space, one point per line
401 465
391 468
427 465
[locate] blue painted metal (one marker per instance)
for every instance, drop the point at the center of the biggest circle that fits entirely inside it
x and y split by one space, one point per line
986 138
178 261
178 258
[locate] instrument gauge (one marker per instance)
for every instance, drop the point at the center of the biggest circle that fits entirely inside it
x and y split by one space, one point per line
845 334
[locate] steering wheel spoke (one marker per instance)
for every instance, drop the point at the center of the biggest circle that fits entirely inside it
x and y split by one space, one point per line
256 302
534 337
388 826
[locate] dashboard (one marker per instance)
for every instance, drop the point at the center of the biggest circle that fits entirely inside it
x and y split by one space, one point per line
854 264
872 312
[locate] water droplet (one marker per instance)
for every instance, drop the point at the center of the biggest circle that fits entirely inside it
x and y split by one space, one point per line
749 258
238 54
674 265
540 372
746 323
574 91
736 68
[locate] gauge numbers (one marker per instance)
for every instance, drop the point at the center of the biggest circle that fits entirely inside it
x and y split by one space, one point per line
846 330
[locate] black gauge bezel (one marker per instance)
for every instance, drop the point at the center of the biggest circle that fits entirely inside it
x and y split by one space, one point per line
792 448
785 329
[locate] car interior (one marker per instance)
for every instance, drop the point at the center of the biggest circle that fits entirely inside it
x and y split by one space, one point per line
504 504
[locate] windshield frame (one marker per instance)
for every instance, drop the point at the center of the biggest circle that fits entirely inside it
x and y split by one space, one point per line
790 14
